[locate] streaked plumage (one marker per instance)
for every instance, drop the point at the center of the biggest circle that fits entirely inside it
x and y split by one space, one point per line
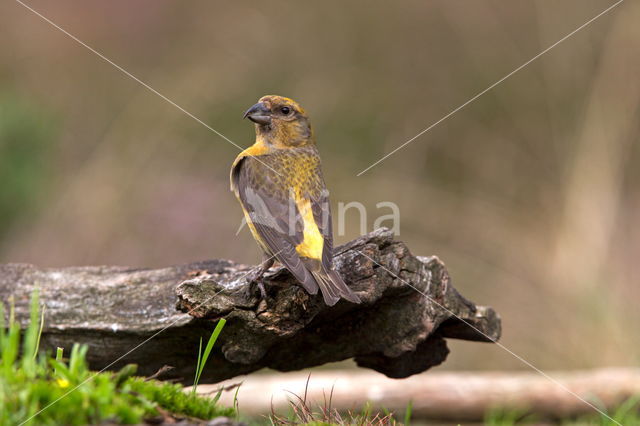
279 184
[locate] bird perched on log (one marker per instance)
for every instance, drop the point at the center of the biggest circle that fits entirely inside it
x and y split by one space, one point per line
279 183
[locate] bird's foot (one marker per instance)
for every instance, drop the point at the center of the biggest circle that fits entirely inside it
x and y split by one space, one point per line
255 278
256 274
263 291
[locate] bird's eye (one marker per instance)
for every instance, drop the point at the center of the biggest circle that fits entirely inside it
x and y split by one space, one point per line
285 110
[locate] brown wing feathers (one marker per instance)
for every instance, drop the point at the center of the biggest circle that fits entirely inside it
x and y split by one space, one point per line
267 203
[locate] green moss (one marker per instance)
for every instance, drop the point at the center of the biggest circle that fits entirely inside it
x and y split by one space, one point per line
172 398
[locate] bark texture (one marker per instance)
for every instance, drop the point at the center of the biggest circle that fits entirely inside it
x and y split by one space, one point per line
155 317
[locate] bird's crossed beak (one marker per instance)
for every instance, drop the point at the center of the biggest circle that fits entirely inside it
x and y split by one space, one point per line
259 113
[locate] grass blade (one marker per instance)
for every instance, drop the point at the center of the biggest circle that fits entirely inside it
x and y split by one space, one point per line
37 348
197 377
407 413
207 351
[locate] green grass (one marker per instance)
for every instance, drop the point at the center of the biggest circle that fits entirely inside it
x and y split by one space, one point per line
43 390
627 414
302 413
202 358
501 417
407 414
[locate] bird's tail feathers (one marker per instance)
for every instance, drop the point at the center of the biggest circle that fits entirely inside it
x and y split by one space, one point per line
333 287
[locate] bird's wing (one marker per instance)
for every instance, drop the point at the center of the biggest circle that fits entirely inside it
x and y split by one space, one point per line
273 215
329 280
321 209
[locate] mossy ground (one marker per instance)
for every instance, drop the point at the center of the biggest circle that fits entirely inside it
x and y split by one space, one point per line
40 389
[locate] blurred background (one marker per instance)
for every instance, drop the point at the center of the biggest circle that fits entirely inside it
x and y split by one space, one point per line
531 194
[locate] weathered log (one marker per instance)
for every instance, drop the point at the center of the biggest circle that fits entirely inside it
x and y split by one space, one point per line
129 315
444 396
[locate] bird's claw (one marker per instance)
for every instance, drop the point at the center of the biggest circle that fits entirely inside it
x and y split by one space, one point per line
263 291
255 277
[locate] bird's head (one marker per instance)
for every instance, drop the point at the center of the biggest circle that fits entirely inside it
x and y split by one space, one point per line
280 122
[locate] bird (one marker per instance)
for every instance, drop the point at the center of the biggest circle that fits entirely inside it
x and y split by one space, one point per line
279 184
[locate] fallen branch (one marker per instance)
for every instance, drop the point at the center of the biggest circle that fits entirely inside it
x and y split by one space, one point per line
129 315
439 395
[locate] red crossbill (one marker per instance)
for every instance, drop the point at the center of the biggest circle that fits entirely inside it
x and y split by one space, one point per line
279 183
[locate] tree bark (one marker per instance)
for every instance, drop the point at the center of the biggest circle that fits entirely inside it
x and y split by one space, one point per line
129 315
